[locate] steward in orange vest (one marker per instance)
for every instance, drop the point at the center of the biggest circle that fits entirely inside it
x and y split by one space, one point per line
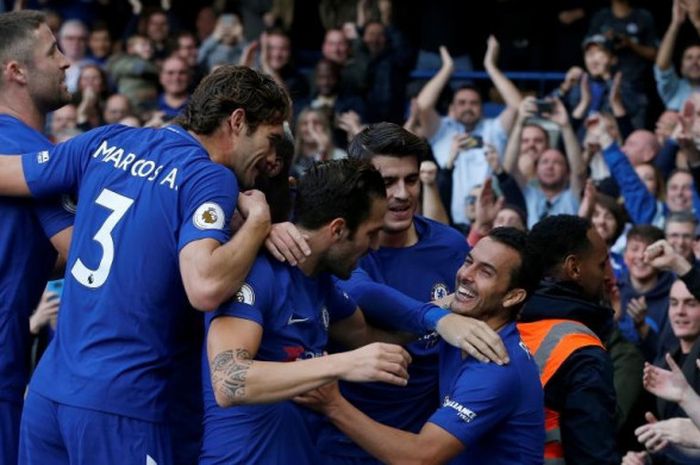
563 325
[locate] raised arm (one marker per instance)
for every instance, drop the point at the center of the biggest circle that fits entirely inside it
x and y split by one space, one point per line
505 86
12 181
429 94
571 147
664 58
526 110
237 378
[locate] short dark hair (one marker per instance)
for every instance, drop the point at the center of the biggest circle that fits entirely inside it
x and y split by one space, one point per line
681 217
645 233
554 238
387 139
467 86
229 88
524 276
16 30
337 189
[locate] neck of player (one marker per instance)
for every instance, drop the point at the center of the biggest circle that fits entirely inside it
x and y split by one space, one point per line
397 239
22 109
316 243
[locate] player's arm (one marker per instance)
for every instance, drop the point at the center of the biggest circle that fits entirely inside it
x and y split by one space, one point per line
212 272
12 180
354 331
432 445
61 242
238 379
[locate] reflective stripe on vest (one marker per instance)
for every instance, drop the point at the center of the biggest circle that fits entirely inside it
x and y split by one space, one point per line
551 342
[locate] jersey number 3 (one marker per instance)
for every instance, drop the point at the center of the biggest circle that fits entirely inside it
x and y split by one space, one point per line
119 205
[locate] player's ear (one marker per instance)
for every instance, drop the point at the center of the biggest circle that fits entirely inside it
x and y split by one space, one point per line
14 71
337 229
514 297
237 121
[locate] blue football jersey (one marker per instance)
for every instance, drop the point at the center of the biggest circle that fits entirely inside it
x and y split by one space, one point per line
143 195
425 272
497 412
26 260
294 311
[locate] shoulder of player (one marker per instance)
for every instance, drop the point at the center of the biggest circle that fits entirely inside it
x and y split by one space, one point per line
434 231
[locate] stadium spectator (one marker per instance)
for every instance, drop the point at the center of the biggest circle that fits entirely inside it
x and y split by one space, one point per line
61 119
72 39
314 141
557 186
134 73
674 89
632 34
353 72
117 107
225 45
175 80
99 44
91 95
465 117
643 294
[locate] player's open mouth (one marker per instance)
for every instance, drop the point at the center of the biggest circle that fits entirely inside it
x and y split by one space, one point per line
463 293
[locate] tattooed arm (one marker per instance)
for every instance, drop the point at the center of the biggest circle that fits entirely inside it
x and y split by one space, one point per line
237 378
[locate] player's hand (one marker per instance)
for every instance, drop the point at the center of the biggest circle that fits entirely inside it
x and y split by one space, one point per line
474 337
322 398
253 206
635 458
45 313
379 361
662 256
670 385
286 243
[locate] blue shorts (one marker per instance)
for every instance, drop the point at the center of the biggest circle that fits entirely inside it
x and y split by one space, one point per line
58 434
345 460
10 414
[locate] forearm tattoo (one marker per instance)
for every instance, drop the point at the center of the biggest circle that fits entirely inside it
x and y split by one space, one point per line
229 370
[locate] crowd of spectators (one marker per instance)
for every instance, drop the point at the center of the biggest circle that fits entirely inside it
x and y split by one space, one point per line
617 140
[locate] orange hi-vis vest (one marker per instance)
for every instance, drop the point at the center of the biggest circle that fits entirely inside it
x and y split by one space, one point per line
551 342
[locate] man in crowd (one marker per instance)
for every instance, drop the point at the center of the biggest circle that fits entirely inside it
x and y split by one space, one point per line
94 396
32 84
556 187
464 118
175 79
489 413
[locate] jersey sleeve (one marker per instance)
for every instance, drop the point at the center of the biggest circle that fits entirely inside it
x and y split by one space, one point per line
384 305
252 299
207 204
479 400
340 304
59 169
55 215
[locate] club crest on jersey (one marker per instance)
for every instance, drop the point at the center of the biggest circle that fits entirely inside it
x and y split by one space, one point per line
245 295
439 291
209 216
